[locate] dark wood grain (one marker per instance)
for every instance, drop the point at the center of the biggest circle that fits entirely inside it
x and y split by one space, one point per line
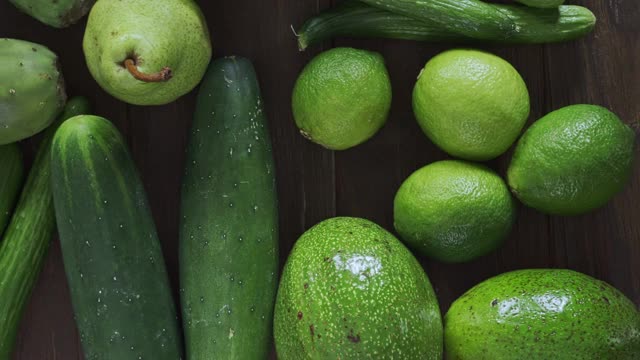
314 183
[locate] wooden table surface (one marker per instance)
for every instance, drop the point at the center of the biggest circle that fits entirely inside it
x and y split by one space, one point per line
315 184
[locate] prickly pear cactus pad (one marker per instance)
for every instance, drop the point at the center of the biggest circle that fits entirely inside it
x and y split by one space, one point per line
31 90
56 13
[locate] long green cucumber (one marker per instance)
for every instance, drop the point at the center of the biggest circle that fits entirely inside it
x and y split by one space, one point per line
544 4
26 239
11 176
355 19
113 261
472 18
229 230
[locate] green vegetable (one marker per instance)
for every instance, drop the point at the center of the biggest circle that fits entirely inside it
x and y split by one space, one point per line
355 19
542 314
545 4
56 13
471 18
33 91
11 176
229 230
119 285
26 239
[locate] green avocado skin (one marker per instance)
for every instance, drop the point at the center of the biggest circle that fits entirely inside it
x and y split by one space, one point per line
351 290
542 314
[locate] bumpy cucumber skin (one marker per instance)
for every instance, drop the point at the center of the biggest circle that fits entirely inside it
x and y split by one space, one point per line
119 285
56 13
534 26
32 90
229 225
11 176
472 18
27 237
544 4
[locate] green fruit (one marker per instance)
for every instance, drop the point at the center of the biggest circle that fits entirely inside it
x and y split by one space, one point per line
56 13
229 223
342 98
32 90
147 52
120 291
454 211
572 161
470 103
542 314
350 290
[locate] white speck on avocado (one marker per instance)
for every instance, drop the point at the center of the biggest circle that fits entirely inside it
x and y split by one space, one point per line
231 332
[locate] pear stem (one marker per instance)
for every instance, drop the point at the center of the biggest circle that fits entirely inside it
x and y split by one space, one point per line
163 75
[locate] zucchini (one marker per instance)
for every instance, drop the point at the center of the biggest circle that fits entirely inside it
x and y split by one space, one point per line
112 257
544 4
471 18
11 174
534 26
27 237
229 227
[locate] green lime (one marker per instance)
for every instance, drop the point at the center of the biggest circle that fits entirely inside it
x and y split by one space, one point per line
454 211
342 97
470 103
572 161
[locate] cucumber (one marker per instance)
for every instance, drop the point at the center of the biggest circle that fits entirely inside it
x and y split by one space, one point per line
27 237
119 285
359 20
535 26
544 4
229 226
11 175
471 18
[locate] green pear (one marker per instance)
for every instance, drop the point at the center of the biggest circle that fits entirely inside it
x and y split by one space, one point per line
147 52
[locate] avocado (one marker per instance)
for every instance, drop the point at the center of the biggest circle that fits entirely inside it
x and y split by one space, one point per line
542 314
351 290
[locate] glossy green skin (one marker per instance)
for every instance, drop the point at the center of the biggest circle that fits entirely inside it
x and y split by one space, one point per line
11 176
544 4
229 224
119 286
472 18
572 161
351 290
32 91
355 19
542 314
117 30
454 211
56 13
342 97
26 239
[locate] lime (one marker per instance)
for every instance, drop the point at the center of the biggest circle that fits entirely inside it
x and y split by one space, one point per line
471 104
572 161
454 211
342 97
